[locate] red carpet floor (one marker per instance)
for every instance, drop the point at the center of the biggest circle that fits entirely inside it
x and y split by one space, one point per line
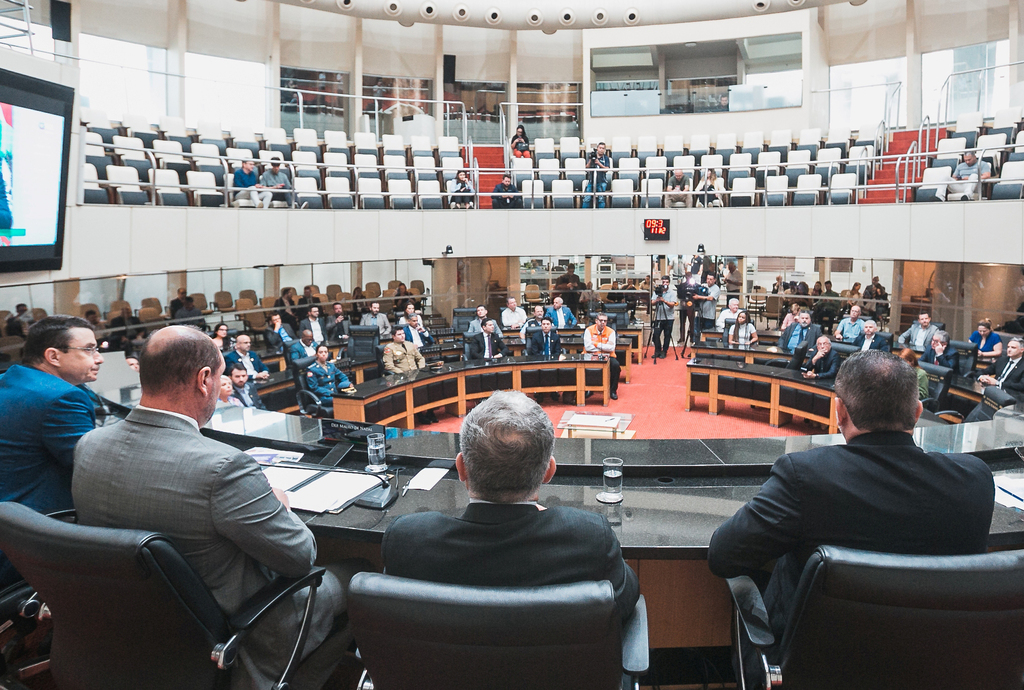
656 397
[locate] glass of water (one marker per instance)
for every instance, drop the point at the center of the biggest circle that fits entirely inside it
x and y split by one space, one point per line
376 454
612 481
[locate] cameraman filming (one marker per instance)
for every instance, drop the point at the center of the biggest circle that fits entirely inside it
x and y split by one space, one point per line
597 180
707 297
685 290
664 304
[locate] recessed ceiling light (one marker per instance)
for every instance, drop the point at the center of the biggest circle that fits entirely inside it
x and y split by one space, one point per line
691 44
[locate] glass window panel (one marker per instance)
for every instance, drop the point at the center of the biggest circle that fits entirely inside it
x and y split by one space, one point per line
323 110
383 96
42 42
138 288
114 77
978 90
861 100
548 110
231 91
482 101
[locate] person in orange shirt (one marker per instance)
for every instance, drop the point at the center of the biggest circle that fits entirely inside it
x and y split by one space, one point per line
599 339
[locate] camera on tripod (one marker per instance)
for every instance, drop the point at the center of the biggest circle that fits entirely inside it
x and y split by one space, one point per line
659 289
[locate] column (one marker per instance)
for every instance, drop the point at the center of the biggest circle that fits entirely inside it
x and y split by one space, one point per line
65 293
912 89
439 114
177 46
513 82
273 62
356 111
1016 44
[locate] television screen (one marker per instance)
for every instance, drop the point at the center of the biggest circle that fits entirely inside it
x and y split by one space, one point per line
35 143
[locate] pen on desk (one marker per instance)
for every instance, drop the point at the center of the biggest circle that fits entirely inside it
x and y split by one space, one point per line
1011 493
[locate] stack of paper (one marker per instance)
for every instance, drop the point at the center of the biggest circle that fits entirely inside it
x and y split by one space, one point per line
332 491
1010 490
269 456
593 421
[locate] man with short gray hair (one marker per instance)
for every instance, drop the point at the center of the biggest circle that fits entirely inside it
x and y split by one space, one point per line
505 537
878 492
939 352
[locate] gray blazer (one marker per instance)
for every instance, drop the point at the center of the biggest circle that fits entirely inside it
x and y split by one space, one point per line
910 335
155 471
382 323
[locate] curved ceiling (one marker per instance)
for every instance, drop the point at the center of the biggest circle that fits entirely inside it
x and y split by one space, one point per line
548 16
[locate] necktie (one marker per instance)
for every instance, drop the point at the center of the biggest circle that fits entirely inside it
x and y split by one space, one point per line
487 347
285 338
547 345
1007 370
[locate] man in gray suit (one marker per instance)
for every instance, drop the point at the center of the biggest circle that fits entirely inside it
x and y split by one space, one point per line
155 471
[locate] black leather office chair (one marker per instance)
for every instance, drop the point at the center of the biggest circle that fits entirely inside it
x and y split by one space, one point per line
992 400
378 354
968 355
462 317
362 343
465 346
844 350
888 621
129 611
307 400
940 379
415 635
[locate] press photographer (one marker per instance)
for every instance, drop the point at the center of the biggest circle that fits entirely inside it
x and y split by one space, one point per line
598 162
664 304
707 299
686 290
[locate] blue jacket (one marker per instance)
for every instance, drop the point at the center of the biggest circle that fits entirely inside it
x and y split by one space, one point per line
535 344
242 180
297 351
425 337
234 358
325 382
570 320
43 418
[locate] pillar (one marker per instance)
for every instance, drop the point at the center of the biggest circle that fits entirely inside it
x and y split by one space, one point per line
272 59
65 295
177 46
439 80
356 112
513 81
912 89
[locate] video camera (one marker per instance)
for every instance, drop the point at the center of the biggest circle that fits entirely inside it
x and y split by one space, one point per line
686 289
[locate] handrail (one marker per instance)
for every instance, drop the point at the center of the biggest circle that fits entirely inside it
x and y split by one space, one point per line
859 86
502 120
905 158
942 108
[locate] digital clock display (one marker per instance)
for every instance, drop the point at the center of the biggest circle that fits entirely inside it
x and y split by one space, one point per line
656 229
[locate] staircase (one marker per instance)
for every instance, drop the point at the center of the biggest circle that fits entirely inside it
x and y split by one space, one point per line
489 157
886 175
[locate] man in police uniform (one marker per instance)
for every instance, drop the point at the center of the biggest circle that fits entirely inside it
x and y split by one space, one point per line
401 356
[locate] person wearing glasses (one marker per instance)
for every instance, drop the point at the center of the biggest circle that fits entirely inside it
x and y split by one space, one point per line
45 412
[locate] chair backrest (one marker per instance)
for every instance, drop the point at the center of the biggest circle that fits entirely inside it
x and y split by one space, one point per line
831 154
753 140
335 139
810 137
951 621
801 157
953 145
940 378
461 318
809 182
305 137
173 126
700 142
969 122
968 355
222 299
209 129
129 610
725 141
150 314
838 135
425 635
569 147
1007 117
781 137
275 135
363 342
1012 170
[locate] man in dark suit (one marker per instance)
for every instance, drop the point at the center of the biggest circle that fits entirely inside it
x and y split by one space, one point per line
315 324
279 336
879 492
822 362
869 339
242 389
544 342
249 360
178 302
801 331
338 324
939 352
1007 372
487 344
505 537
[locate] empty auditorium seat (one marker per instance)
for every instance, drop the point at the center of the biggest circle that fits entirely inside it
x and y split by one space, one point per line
393 145
651 193
656 167
168 156
448 147
337 162
429 192
753 143
622 147
543 147
245 138
128 148
561 194
827 163
1006 122
806 193
336 140
842 188
547 171
933 184
769 164
97 122
421 146
365 143
401 194
575 172
425 168
700 145
781 141
1017 154
992 147
522 170
366 165
125 181
96 154
646 146
306 140
369 189
776 190
739 167
629 169
211 132
339 194
166 188
1011 180
673 147
206 157
860 162
276 140
948 152
205 192
394 167
838 137
743 189
307 193
799 164
868 134
173 129
94 194
140 127
533 194
305 164
810 140
725 146
967 127
568 147
622 193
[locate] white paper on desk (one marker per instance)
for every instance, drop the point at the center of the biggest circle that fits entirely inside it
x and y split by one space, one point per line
1014 484
284 478
269 456
594 421
331 491
426 478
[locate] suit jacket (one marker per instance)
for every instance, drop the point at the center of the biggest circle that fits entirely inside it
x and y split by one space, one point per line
335 331
382 323
154 471
477 347
535 345
877 343
508 545
425 337
234 358
825 368
570 320
305 324
878 492
297 355
813 333
1014 383
950 358
43 418
909 336
249 389
274 341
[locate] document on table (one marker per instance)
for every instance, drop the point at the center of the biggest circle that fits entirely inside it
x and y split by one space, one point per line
332 491
269 456
287 478
426 478
593 421
1010 490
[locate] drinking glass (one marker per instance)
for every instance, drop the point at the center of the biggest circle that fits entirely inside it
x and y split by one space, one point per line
612 481
376 454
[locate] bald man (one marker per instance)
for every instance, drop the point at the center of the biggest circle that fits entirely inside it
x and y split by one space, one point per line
155 471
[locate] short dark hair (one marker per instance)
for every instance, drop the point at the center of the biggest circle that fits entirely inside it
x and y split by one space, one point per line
91 311
237 366
506 443
189 300
53 331
879 390
337 304
174 363
548 319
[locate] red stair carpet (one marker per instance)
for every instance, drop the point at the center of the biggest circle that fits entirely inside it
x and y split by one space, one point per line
886 175
489 157
657 397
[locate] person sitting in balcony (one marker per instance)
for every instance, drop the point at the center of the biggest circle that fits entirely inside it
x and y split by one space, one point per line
520 143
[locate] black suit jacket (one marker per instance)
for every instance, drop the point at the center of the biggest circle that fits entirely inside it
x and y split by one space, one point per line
813 333
477 349
503 545
274 341
950 358
535 345
336 330
1014 383
305 325
250 390
877 343
825 368
879 492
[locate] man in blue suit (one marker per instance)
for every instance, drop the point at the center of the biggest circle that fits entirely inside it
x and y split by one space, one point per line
545 342
44 413
561 316
416 333
251 361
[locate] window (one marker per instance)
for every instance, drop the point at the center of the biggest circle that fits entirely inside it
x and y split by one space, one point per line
232 92
42 41
865 96
384 95
548 110
987 90
325 110
115 79
779 90
481 100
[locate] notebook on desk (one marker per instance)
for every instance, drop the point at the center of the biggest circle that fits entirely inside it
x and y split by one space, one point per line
320 491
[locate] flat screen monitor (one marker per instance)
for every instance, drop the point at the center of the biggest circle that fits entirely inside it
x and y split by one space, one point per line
35 145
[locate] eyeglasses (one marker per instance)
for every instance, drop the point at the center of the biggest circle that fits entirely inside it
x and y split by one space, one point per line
92 350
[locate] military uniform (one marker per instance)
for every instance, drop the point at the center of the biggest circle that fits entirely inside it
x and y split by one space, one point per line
402 357
325 381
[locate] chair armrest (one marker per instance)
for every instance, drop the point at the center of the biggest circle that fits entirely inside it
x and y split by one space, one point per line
949 413
70 515
779 363
262 601
635 648
750 608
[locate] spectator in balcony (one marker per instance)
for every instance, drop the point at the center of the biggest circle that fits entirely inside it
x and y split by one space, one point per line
221 338
676 189
275 179
854 296
284 305
358 307
462 191
708 190
19 322
520 143
969 171
599 163
505 194
178 302
127 338
791 316
246 181
189 315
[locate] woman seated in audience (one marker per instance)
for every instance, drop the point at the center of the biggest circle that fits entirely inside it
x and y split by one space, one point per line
794 311
358 307
224 398
402 297
462 192
520 143
853 297
220 337
990 346
743 332
816 290
922 378
708 190
285 303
